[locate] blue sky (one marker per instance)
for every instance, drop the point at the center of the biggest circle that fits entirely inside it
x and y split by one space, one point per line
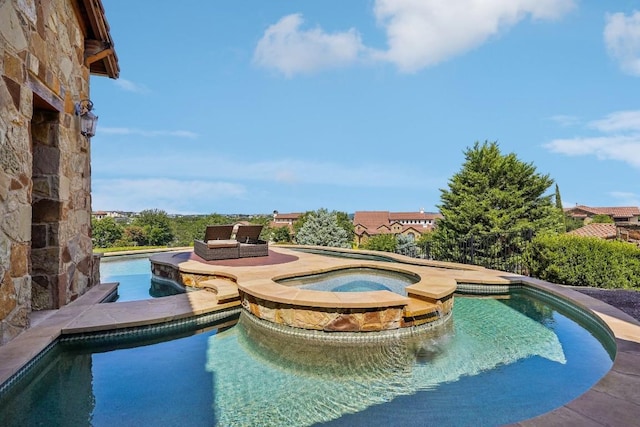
255 106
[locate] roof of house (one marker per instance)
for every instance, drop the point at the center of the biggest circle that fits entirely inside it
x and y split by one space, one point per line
293 215
614 211
406 216
371 221
95 27
603 231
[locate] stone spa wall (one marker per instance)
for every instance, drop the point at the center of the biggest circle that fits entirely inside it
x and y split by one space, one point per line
343 319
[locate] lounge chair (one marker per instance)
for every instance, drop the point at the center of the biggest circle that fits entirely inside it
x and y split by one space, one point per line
250 244
217 243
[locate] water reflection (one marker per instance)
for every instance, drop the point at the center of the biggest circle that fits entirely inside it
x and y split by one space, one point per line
328 359
65 384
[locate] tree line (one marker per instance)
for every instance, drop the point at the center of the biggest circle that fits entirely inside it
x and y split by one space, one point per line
493 194
155 227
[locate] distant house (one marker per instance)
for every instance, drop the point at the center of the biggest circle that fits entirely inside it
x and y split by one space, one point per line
411 224
621 215
105 214
284 220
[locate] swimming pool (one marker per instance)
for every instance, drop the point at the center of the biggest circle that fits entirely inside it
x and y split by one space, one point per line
134 278
498 361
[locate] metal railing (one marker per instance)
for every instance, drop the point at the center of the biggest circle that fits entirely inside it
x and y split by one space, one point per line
498 251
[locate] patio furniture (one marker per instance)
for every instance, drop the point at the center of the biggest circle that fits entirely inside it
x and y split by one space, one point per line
250 244
218 232
217 244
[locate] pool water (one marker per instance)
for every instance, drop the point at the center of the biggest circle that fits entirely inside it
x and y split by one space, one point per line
498 361
354 280
135 279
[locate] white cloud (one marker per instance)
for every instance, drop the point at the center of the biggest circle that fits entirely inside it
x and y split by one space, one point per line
619 139
148 133
622 39
626 198
183 164
619 121
290 50
171 195
130 86
419 34
622 148
565 120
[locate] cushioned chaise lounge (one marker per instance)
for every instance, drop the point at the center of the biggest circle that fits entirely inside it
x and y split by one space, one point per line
217 244
250 244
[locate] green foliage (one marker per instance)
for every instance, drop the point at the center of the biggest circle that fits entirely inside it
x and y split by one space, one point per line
134 235
558 199
281 235
424 238
495 193
299 223
187 228
346 224
572 223
381 242
156 225
321 228
342 219
105 232
125 248
602 219
584 261
406 245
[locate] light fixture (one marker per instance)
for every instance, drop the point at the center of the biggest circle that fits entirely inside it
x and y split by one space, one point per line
88 120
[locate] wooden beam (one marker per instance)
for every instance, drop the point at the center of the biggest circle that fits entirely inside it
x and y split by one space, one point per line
98 56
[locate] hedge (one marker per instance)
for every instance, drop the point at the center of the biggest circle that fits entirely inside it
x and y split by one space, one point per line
584 261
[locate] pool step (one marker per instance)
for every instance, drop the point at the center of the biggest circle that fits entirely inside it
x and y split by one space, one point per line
418 307
433 288
225 289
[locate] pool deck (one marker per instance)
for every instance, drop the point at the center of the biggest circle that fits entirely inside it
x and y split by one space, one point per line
613 401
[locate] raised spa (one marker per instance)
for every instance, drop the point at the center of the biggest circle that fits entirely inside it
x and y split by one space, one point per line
354 280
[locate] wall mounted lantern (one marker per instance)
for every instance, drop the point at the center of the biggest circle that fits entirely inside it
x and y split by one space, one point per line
88 120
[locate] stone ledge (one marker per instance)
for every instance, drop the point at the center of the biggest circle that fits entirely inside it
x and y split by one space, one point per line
272 291
433 288
225 290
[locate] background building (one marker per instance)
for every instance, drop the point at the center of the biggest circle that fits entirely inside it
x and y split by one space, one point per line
412 224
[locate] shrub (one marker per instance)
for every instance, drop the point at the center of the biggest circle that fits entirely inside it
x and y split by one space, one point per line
584 261
381 242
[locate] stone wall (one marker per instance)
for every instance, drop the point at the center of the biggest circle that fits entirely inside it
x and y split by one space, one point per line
343 319
45 183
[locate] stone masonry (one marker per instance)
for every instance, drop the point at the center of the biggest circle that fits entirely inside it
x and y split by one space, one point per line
45 174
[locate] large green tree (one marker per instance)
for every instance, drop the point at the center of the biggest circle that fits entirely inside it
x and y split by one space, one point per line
156 225
322 228
495 193
105 232
342 219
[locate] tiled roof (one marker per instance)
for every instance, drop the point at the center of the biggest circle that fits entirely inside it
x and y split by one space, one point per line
614 211
399 216
603 231
371 219
374 221
293 216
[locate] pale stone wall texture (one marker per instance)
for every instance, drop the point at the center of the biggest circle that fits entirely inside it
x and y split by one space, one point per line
45 183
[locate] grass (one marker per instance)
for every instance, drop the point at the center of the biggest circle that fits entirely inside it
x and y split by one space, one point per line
125 248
